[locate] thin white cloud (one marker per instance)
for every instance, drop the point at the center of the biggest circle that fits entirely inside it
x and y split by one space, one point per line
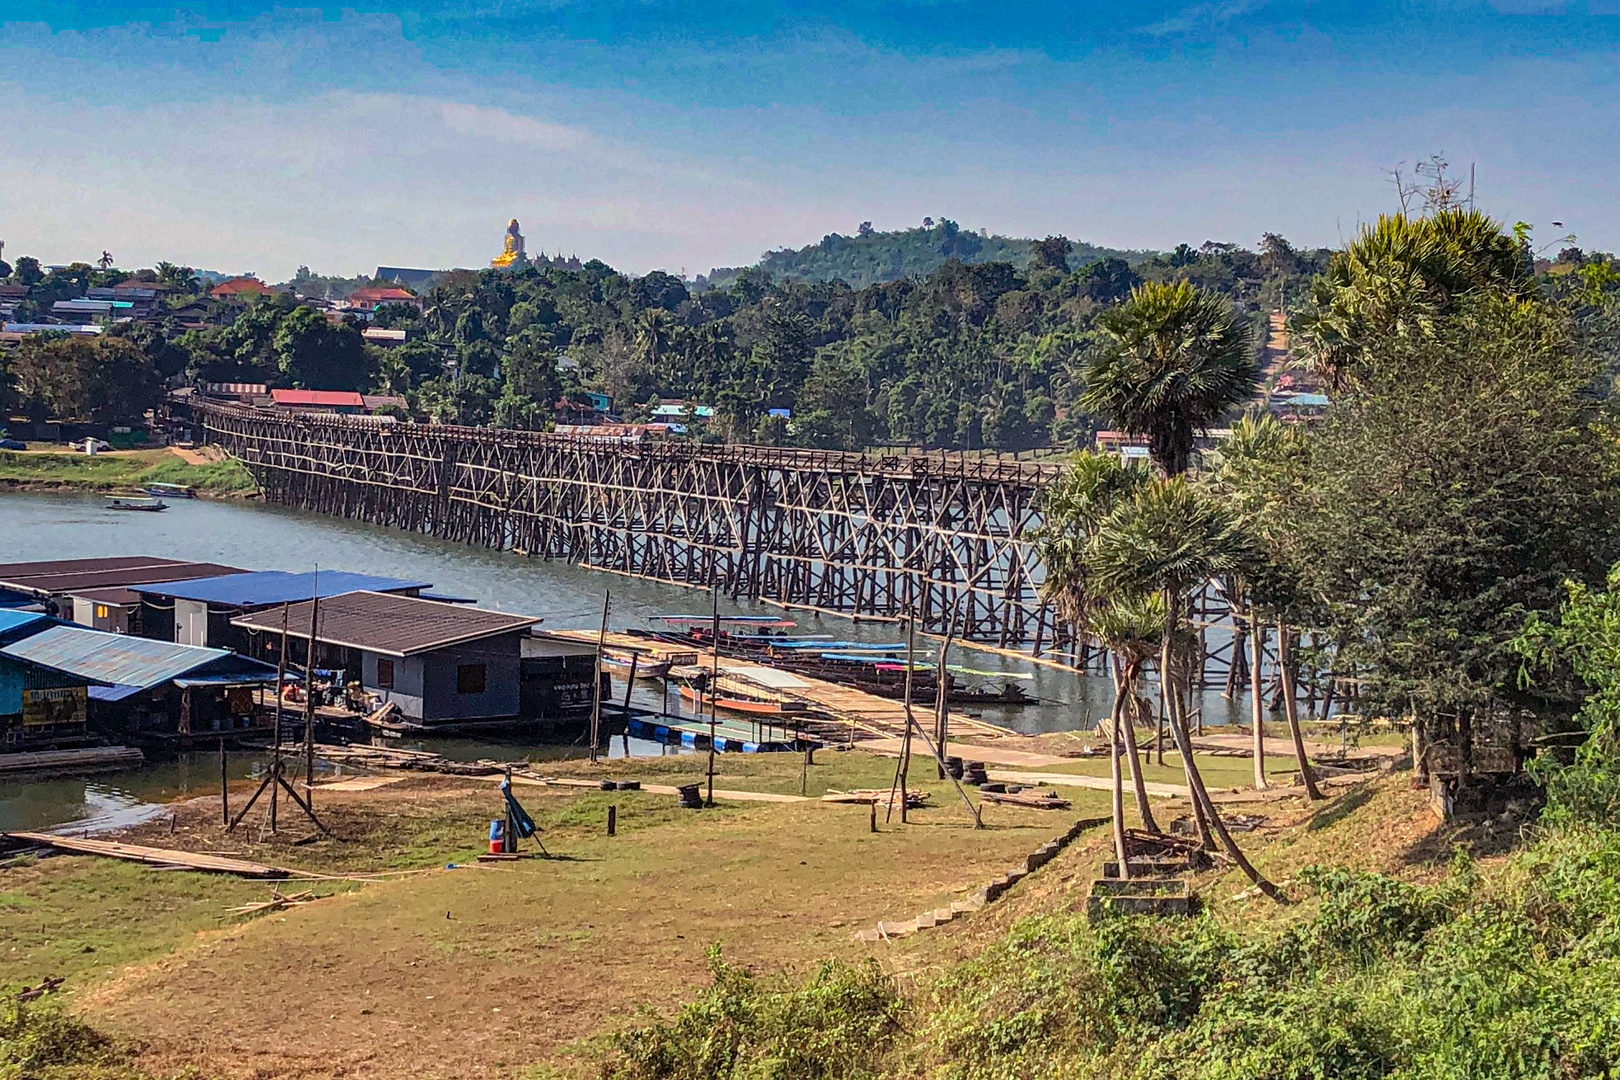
502 124
1205 18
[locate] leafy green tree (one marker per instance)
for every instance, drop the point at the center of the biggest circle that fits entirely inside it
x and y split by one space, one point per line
1173 361
105 379
1129 627
311 351
168 358
1263 475
1466 475
467 400
1051 253
27 271
1108 281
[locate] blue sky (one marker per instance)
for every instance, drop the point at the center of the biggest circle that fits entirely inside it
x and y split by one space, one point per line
685 135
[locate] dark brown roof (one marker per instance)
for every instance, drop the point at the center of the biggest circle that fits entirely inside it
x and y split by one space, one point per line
388 623
56 576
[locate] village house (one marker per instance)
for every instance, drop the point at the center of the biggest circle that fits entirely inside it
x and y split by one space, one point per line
437 663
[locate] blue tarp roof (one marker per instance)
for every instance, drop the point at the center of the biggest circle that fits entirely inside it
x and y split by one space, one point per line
124 660
11 620
262 587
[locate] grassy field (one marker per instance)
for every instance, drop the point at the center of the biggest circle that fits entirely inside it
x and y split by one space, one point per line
480 970
121 470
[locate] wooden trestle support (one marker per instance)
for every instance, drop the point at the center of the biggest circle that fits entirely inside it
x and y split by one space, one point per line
864 534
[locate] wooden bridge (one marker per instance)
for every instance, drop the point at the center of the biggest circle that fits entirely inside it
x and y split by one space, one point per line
944 535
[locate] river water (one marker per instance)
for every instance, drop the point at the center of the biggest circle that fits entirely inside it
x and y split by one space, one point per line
257 536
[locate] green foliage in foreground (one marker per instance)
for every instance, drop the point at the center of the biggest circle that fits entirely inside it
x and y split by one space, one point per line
841 1022
1515 975
40 1042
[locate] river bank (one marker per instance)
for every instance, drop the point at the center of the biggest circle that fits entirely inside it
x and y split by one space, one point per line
432 965
211 475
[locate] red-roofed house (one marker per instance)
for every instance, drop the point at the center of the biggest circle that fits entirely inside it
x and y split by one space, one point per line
374 296
240 288
331 401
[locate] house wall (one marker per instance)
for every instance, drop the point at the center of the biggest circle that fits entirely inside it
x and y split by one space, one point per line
500 657
190 622
407 689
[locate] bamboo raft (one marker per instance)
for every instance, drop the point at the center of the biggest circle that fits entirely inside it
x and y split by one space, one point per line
162 858
92 758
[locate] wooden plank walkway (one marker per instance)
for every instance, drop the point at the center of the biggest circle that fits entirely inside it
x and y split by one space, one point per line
869 715
661 651
164 858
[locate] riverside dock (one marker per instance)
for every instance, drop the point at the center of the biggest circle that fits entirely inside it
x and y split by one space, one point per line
833 713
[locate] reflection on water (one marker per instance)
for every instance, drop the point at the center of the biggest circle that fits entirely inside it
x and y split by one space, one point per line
260 537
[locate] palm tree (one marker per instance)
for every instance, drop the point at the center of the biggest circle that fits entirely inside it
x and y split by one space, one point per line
1129 627
1398 279
1174 363
1072 508
1262 478
1170 537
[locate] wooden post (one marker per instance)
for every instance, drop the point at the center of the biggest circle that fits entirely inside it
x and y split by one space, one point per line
275 749
596 692
942 700
309 698
873 826
509 835
613 820
224 786
714 687
905 743
630 684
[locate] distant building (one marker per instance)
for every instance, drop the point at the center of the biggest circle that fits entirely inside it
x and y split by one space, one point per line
327 401
374 296
410 278
88 311
378 336
240 288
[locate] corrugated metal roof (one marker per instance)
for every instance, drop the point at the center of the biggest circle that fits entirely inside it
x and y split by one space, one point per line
263 587
317 397
395 625
57 576
117 658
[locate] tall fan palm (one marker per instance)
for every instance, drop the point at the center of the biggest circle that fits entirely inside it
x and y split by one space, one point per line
1175 362
1170 538
1129 627
1397 279
1072 509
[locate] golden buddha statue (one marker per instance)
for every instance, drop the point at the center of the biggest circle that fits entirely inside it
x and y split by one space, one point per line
512 255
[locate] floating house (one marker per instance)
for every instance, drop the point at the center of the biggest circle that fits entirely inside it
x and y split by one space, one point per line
200 612
96 592
40 706
438 663
137 686
557 676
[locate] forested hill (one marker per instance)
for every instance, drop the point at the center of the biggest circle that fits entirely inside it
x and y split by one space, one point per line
871 257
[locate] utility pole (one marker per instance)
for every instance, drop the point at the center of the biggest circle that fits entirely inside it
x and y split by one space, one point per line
309 698
714 686
596 692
